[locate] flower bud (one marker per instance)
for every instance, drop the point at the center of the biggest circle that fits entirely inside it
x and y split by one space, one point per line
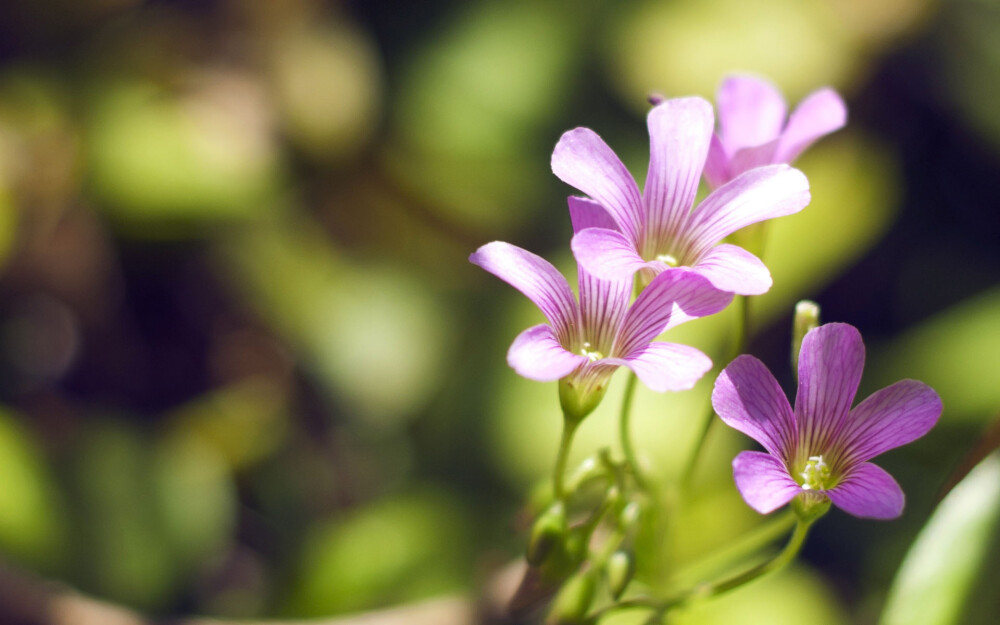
548 531
573 601
579 400
620 568
806 318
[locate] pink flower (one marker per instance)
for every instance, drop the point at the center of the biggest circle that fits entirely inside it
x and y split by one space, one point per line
587 340
657 230
753 131
820 450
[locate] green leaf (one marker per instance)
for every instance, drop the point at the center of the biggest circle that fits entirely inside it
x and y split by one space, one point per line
944 563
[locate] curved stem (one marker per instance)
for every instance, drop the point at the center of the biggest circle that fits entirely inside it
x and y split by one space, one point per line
776 563
739 344
625 435
559 473
758 537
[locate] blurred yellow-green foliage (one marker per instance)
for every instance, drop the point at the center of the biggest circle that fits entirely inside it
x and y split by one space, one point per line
246 369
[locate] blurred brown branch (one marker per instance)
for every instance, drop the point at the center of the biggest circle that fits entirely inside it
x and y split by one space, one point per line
28 600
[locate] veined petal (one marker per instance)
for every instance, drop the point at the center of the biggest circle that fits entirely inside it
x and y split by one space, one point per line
717 164
831 360
602 302
680 131
888 418
746 159
732 268
533 276
586 213
763 481
537 355
819 114
667 366
751 112
747 398
607 254
759 194
652 311
582 159
868 492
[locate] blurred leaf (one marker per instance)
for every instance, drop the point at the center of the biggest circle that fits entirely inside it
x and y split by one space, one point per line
944 563
327 82
241 423
152 512
123 556
473 103
162 162
31 514
957 352
398 549
687 47
196 501
854 185
373 334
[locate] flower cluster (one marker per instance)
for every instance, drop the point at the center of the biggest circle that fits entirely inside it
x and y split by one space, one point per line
675 253
680 258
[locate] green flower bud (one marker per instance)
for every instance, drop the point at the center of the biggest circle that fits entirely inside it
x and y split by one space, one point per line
579 401
620 568
629 516
573 601
806 318
809 506
548 531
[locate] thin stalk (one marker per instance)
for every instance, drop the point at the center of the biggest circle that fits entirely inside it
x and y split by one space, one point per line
739 344
762 535
559 473
625 435
778 562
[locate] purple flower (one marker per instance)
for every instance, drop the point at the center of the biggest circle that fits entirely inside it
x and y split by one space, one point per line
587 341
656 230
822 448
753 131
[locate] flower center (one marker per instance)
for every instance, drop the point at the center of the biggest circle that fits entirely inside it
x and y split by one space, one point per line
668 259
816 474
592 354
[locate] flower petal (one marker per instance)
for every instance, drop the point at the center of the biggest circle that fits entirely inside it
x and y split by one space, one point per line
750 158
759 194
893 416
679 134
869 492
533 276
672 292
717 164
763 481
582 159
607 254
751 112
586 213
747 398
667 366
732 268
831 359
537 355
819 114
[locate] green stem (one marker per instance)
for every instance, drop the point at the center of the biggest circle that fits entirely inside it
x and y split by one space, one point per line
779 561
742 332
625 435
758 537
559 473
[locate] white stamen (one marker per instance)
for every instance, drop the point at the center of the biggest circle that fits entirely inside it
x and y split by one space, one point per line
592 354
816 474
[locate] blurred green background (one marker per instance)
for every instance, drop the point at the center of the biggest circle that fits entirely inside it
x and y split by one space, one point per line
246 369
